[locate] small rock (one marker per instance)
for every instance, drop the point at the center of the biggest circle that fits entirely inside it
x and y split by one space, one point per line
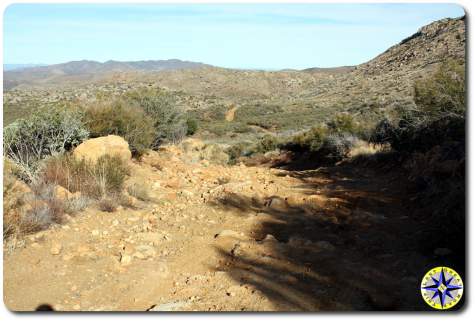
35 245
270 238
56 248
227 233
95 232
125 259
139 255
67 257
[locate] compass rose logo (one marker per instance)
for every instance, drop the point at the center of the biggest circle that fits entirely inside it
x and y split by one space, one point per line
442 288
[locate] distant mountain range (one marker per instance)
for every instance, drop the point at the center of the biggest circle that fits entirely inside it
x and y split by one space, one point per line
8 67
393 73
87 69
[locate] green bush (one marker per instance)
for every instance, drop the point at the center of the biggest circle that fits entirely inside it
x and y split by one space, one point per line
119 118
166 116
336 147
266 144
238 150
48 131
191 126
311 139
443 93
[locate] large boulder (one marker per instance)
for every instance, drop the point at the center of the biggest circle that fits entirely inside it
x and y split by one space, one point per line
93 149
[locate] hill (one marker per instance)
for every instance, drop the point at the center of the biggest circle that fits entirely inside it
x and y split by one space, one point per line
88 69
287 99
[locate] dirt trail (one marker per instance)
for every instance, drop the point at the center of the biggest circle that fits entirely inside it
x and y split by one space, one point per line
224 238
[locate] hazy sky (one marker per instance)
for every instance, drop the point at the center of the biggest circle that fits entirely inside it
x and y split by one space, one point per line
268 36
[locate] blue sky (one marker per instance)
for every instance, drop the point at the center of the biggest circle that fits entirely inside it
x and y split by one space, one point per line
263 36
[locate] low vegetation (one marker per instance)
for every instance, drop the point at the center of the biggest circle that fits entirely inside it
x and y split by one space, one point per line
96 180
48 131
431 140
121 119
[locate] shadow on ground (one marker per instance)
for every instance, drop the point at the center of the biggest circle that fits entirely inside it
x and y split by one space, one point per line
352 243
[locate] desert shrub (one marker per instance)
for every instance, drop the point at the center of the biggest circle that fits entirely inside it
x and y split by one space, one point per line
346 124
110 173
104 177
430 142
266 144
166 116
443 93
223 128
76 204
68 172
337 146
342 123
439 115
13 199
33 211
119 118
107 204
191 126
236 151
383 132
47 131
46 208
139 191
215 154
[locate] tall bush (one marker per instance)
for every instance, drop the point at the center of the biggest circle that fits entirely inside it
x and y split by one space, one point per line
166 116
120 118
48 131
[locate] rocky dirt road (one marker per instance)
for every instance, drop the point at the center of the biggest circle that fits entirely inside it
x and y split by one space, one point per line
230 238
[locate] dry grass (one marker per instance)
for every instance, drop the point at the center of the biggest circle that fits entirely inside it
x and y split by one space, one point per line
97 180
363 148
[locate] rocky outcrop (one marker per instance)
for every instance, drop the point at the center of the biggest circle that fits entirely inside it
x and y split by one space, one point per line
93 149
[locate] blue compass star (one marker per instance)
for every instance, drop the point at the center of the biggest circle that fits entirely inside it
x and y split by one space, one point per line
442 287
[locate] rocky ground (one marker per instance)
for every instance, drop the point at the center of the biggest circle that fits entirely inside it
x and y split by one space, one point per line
231 238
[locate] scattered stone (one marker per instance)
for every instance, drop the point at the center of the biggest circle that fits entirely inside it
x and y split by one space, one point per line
35 245
68 256
146 250
277 203
227 233
167 307
125 259
56 248
270 239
